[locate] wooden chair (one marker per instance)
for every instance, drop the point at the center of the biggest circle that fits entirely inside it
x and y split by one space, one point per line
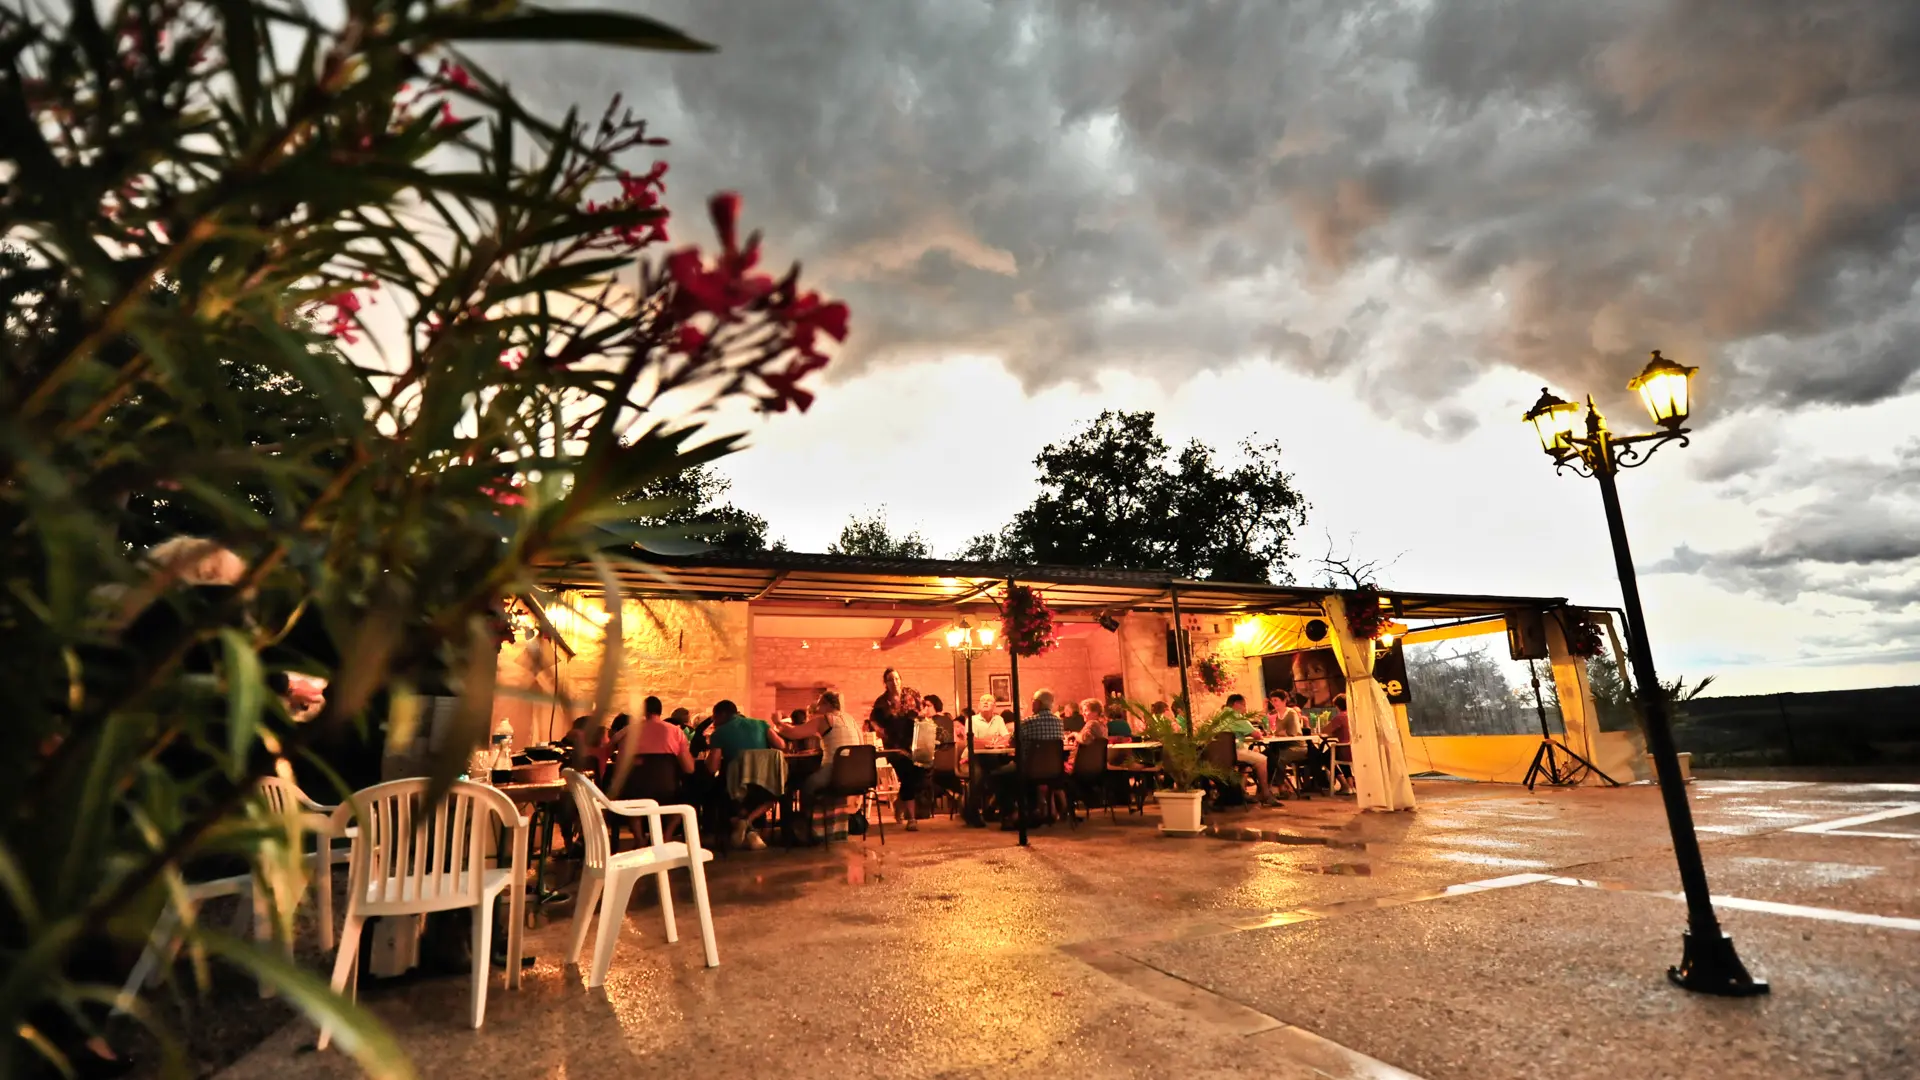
607 877
411 858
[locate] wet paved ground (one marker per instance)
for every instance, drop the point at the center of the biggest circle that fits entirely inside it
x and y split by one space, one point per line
1492 933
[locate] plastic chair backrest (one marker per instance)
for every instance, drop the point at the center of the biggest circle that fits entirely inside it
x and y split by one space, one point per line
410 857
855 768
1043 759
592 805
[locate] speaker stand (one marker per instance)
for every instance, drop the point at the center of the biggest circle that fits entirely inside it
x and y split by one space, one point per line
1546 760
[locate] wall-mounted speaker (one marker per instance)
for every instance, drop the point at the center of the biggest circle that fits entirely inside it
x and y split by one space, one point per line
1316 630
1176 645
1109 622
1526 635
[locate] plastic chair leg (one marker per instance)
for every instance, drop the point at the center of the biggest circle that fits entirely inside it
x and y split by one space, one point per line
592 884
323 889
345 961
666 899
482 958
699 875
159 944
613 915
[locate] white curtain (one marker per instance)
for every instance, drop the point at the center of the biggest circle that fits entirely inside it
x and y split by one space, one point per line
1379 760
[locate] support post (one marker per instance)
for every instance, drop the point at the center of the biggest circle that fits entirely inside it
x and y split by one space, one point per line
1019 758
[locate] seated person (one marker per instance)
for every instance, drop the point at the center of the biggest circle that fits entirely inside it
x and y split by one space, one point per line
1042 726
1340 733
1243 729
1119 722
733 734
790 734
835 728
655 735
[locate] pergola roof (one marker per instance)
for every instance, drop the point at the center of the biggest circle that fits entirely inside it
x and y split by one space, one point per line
849 584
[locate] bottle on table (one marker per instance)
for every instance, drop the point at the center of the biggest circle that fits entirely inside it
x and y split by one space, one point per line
502 770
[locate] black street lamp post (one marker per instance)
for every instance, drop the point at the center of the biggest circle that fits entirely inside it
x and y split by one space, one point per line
1708 962
969 643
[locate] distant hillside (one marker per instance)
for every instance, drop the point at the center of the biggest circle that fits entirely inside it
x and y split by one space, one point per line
1834 727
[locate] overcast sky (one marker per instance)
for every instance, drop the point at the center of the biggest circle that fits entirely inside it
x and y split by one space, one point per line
1371 231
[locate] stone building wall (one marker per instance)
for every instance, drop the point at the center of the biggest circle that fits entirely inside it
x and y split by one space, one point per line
688 653
1143 647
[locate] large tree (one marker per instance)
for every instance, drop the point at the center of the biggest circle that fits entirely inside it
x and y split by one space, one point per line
871 535
693 500
1114 494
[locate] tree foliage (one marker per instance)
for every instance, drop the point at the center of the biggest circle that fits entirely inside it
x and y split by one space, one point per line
1114 494
693 501
328 295
869 534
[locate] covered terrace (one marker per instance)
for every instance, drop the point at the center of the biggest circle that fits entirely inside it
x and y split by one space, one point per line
770 630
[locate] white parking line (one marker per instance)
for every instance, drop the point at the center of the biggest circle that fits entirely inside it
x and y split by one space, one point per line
1844 824
1766 907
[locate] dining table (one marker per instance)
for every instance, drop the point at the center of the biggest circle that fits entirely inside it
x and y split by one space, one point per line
542 801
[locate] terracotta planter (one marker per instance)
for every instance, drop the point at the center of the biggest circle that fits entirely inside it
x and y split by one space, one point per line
1179 812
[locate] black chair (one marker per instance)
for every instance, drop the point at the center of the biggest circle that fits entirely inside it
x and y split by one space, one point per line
1043 764
946 776
653 776
856 773
1090 773
1221 754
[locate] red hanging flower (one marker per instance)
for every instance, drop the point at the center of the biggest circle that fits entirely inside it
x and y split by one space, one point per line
1363 613
1028 622
1215 675
1583 637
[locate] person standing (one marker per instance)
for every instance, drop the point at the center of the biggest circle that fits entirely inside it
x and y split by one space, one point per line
894 714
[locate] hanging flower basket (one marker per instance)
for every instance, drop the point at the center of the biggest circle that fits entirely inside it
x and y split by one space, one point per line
1364 617
1028 622
1214 674
1583 638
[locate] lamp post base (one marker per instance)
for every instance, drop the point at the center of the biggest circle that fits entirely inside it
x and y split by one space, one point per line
1711 966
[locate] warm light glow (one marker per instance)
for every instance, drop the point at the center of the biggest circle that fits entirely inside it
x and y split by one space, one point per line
1386 641
1246 630
955 636
1553 419
804 645
1665 388
986 635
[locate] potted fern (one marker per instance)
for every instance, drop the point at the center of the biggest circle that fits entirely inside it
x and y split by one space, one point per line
1183 761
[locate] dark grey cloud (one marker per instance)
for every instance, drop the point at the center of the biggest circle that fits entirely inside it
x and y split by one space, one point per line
1856 534
1411 194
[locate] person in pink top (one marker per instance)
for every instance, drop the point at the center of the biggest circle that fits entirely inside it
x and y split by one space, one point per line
653 735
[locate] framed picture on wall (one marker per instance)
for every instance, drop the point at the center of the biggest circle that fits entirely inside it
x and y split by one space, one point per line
1001 687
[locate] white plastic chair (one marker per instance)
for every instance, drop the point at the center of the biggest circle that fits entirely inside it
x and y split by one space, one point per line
608 877
282 796
285 797
163 943
412 859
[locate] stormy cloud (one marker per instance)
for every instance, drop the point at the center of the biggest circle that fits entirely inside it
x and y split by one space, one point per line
1412 194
